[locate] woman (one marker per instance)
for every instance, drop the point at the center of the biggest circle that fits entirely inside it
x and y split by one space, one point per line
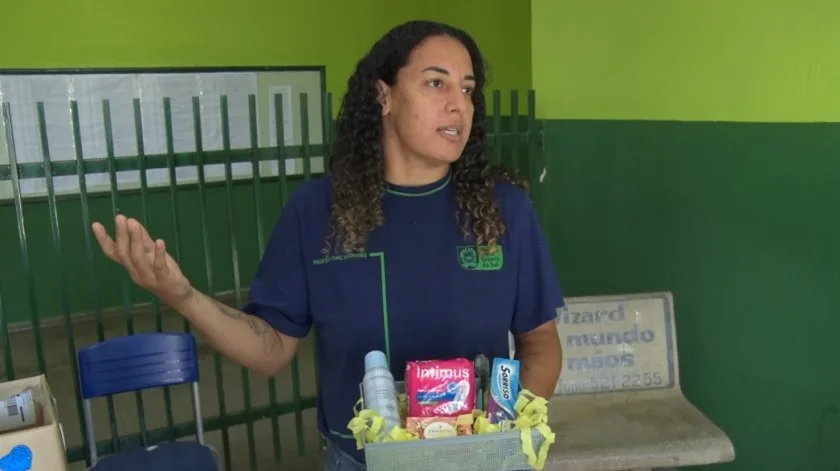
414 244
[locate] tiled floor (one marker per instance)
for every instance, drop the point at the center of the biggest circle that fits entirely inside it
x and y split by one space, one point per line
60 378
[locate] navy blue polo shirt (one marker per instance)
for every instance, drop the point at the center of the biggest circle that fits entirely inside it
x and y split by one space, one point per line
419 291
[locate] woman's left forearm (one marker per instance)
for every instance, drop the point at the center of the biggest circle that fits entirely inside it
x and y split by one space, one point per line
540 355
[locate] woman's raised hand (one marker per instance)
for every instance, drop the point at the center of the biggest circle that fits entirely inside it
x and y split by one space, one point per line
146 260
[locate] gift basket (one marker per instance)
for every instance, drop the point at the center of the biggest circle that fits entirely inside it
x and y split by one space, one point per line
450 415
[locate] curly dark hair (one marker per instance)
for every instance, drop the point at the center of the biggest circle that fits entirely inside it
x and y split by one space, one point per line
357 162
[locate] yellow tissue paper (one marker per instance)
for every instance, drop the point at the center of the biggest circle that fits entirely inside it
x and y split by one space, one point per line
532 413
481 424
369 427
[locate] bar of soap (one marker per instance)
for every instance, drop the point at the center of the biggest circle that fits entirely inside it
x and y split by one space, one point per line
439 427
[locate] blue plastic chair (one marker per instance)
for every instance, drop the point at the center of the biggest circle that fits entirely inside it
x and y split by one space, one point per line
134 363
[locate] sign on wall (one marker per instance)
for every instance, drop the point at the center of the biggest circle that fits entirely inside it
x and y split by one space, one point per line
613 343
617 343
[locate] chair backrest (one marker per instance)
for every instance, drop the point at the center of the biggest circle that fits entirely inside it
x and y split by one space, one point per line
137 362
134 363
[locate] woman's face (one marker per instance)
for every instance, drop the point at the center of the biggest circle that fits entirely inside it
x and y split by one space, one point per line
428 112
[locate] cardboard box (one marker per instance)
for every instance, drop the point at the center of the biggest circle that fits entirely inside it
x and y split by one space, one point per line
42 442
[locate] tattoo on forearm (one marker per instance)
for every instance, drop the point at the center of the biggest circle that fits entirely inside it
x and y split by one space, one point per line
259 327
540 357
183 295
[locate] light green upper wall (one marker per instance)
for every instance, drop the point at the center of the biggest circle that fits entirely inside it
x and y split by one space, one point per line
335 33
501 28
726 60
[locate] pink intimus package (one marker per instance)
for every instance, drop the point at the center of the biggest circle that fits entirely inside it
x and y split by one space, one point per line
440 388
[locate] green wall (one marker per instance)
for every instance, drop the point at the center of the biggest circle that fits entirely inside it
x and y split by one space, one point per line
715 60
88 33
686 152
